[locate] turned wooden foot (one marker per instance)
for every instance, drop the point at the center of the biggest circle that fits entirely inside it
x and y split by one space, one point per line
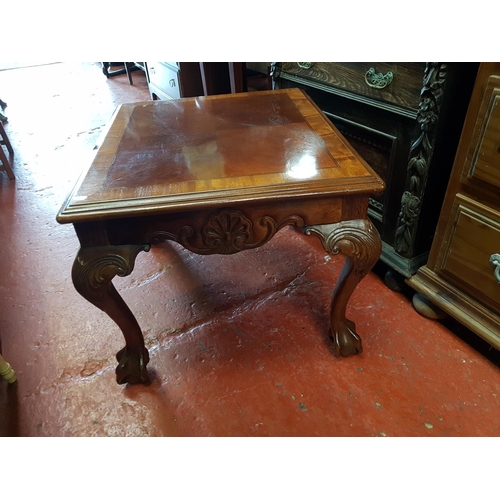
93 270
426 308
394 281
360 242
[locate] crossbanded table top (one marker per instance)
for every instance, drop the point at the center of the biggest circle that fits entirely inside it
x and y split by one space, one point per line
165 156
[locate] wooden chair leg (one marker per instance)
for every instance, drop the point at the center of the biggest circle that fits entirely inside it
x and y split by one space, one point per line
5 139
6 164
129 73
6 371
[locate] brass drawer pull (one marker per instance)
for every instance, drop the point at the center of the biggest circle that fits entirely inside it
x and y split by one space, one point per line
378 80
305 65
495 262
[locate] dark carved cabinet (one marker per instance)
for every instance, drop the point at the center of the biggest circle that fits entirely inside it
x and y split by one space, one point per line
405 120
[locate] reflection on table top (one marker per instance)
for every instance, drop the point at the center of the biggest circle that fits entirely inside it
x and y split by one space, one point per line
166 155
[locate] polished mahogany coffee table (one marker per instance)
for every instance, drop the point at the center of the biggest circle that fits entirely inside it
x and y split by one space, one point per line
218 175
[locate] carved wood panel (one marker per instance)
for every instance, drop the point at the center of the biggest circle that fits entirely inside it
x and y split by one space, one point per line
226 232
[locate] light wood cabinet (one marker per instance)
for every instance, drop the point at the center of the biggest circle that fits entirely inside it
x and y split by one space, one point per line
462 275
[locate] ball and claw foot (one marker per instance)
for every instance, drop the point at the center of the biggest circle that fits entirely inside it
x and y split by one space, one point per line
131 367
346 341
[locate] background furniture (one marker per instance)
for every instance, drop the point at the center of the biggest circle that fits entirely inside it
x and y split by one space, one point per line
171 80
232 77
123 68
222 77
133 66
462 275
405 121
4 141
109 72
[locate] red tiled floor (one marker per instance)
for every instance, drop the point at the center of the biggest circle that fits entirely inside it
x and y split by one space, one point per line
237 343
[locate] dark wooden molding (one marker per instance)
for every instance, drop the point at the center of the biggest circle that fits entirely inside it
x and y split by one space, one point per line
420 156
274 73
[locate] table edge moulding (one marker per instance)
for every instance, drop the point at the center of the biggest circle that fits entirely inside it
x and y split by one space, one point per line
222 215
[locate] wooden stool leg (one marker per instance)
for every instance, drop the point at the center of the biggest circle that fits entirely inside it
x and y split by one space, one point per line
6 371
5 139
6 164
128 72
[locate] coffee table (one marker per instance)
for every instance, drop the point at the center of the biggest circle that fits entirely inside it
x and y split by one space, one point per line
219 175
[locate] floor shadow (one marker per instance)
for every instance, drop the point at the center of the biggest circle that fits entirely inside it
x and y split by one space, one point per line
154 395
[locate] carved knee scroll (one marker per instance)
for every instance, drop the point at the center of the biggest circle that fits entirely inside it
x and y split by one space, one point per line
360 242
95 267
92 272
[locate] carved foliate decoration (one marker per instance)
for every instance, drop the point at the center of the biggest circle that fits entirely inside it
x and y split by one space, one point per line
226 232
420 155
357 239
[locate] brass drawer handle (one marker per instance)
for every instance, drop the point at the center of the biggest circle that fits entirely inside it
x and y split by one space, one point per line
495 262
378 80
305 65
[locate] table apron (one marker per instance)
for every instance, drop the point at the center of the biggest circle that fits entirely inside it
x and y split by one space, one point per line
223 229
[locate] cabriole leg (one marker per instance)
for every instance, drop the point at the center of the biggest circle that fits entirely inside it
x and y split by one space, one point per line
360 242
93 270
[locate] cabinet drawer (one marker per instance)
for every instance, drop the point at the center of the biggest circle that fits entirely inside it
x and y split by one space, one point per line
485 158
474 239
165 78
396 83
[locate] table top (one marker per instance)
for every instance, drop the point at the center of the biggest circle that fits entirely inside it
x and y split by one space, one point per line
183 154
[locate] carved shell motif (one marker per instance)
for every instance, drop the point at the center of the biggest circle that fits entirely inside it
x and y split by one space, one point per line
227 232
